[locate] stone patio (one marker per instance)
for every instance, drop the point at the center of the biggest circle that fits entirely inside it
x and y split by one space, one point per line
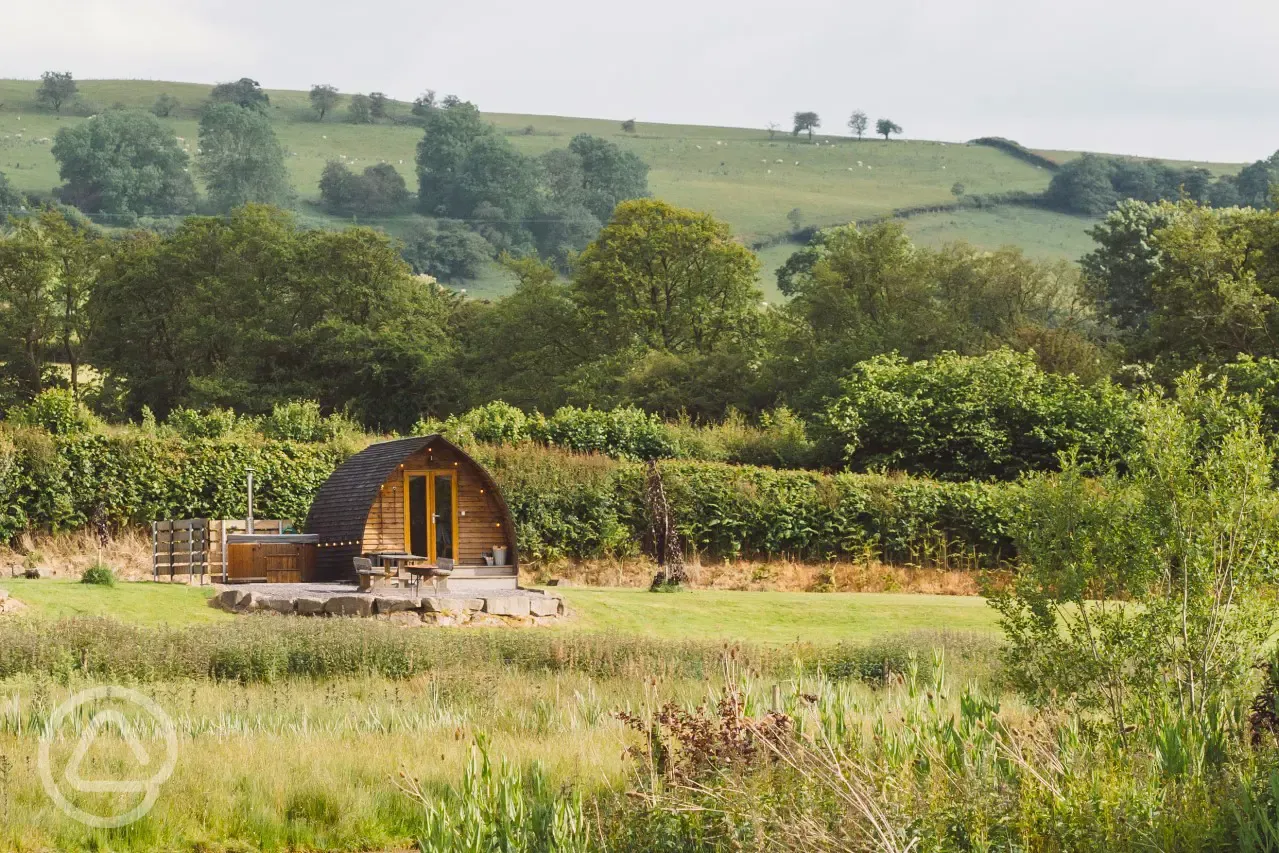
402 605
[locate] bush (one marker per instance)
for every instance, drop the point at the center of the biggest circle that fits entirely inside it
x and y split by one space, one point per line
301 420
98 575
625 433
56 411
975 417
211 423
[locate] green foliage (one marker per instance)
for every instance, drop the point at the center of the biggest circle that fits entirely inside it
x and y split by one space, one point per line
123 161
56 411
360 110
887 127
1142 597
164 105
466 170
976 417
500 808
323 98
1092 184
329 316
379 191
668 279
241 161
56 89
445 249
245 93
98 575
301 420
10 199
858 122
624 433
861 293
806 121
210 423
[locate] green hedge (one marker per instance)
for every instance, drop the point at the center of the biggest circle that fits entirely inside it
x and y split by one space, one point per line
565 505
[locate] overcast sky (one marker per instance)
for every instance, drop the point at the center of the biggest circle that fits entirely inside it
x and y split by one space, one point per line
1172 78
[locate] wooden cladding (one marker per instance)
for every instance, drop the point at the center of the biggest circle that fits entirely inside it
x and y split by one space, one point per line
268 562
479 521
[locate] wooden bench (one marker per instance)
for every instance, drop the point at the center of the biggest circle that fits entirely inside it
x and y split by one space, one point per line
368 577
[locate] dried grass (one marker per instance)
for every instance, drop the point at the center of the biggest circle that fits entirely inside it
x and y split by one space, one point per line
69 554
773 575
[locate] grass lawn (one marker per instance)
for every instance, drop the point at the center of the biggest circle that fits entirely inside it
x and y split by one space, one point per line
774 618
143 603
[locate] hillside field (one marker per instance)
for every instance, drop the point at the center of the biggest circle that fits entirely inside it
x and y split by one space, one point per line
739 174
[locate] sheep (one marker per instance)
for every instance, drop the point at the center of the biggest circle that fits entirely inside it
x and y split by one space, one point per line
796 162
779 160
859 164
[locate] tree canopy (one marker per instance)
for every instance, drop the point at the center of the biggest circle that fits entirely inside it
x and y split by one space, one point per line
323 98
806 121
244 92
123 162
241 161
56 89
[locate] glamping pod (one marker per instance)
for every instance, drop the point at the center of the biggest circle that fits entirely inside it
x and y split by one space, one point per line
415 498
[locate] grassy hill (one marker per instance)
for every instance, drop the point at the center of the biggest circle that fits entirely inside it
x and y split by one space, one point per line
739 174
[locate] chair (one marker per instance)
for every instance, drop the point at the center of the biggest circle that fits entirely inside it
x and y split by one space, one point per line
368 577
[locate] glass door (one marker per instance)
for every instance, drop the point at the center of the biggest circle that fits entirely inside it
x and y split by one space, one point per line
443 516
430 514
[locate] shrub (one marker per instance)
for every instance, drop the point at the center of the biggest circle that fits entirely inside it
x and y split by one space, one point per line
975 417
98 575
301 420
55 410
211 423
624 433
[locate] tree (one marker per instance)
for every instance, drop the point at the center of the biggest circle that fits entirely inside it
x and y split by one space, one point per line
29 318
241 160
1214 288
324 98
165 105
628 126
1254 184
251 310
609 174
445 249
380 191
668 279
958 189
10 199
466 170
772 129
56 89
423 103
956 417
886 127
806 121
379 105
360 110
78 255
858 123
244 92
1139 597
1119 272
1083 186
123 161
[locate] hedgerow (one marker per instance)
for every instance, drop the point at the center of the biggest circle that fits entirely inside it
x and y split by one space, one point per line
566 505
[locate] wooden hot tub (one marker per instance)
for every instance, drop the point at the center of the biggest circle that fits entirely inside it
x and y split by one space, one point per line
270 558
